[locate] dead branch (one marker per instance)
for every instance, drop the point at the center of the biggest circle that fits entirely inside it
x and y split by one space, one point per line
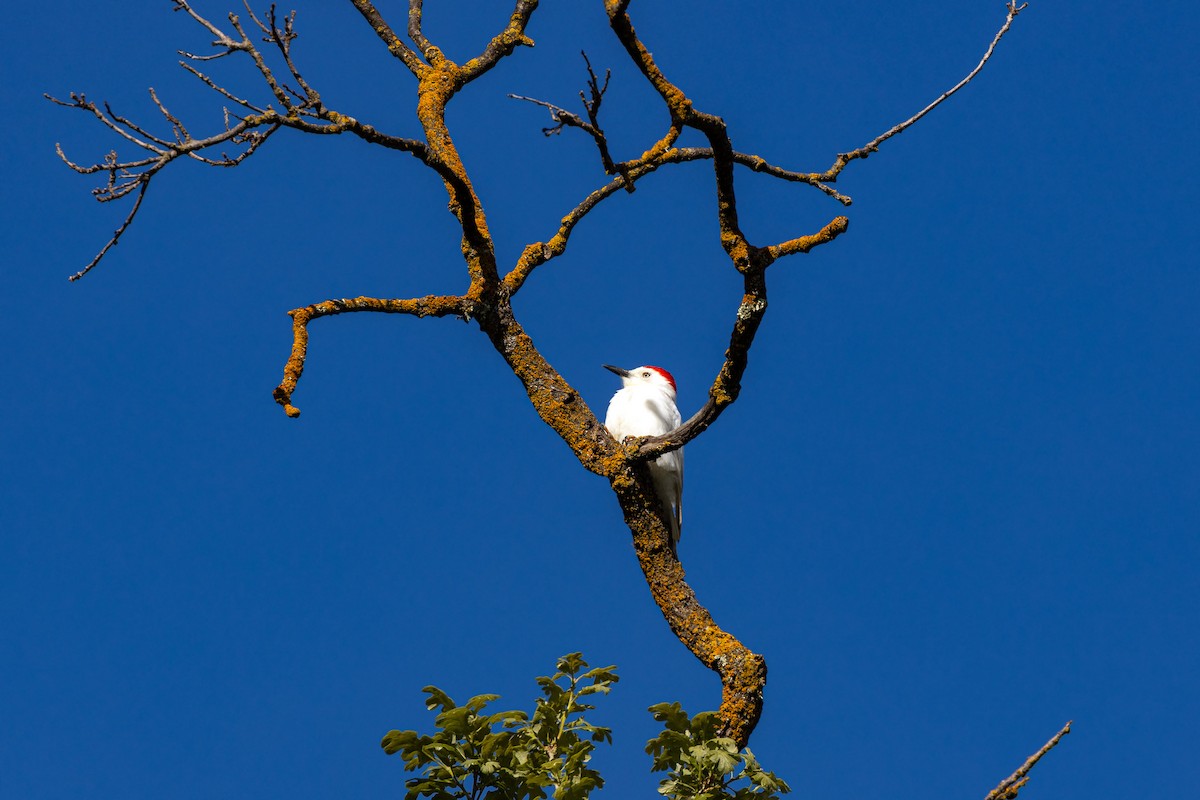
389 38
414 28
538 253
124 177
872 146
1007 789
144 185
591 104
430 306
727 386
503 43
560 116
819 180
303 111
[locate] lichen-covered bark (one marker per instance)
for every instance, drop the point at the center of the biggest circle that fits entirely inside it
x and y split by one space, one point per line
743 673
487 298
557 403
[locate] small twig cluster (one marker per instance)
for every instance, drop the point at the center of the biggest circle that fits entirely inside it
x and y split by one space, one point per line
591 104
247 125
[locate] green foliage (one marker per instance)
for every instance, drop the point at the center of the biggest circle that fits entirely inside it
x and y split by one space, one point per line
702 765
511 755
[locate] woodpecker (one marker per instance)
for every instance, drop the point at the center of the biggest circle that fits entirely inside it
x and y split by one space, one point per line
645 406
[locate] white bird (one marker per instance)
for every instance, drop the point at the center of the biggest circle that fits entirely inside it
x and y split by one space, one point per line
645 406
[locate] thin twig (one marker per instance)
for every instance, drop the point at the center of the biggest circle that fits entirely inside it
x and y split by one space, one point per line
181 133
116 234
223 39
283 40
872 146
560 115
566 119
260 63
210 83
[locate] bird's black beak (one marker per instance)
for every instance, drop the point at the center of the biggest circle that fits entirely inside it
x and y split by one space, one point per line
624 373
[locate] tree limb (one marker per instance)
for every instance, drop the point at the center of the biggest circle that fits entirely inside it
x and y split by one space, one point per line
415 9
727 385
503 43
389 38
428 306
1007 789
872 146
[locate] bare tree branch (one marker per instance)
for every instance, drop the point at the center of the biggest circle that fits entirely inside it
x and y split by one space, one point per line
302 111
222 39
126 176
389 38
872 146
414 28
538 253
1007 789
429 306
727 385
177 127
144 184
563 118
80 101
283 40
503 43
210 83
740 251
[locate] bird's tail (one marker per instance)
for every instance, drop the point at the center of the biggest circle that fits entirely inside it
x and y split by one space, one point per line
671 512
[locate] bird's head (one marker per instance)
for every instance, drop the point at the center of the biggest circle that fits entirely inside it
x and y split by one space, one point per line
645 376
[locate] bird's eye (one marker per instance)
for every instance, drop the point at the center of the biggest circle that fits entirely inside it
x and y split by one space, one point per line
645 374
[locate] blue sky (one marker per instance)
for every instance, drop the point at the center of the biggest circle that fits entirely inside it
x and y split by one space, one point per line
955 506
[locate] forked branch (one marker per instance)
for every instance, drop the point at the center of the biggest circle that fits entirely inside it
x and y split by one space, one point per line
818 180
128 176
727 385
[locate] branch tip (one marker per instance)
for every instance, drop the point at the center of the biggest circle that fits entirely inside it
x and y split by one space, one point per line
1007 789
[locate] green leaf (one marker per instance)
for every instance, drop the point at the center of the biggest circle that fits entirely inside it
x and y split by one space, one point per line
437 698
671 715
700 764
509 755
476 703
454 721
393 741
507 718
571 663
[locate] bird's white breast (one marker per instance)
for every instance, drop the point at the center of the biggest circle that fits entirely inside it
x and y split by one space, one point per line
641 411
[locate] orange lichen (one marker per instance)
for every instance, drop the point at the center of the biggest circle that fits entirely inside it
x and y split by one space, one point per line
487 301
